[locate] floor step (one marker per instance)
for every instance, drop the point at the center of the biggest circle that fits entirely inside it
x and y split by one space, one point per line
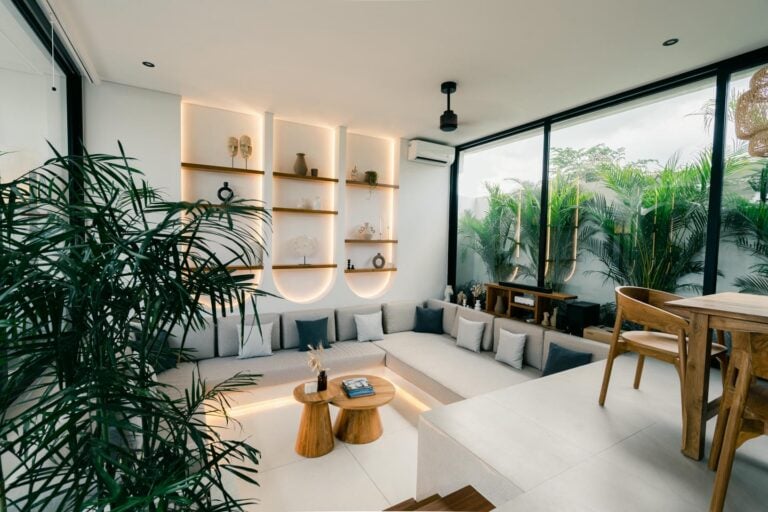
466 499
412 504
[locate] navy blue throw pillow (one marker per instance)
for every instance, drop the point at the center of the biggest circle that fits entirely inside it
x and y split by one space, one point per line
312 333
429 320
561 359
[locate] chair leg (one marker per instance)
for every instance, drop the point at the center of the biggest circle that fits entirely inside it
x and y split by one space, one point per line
722 420
639 370
723 359
730 440
606 377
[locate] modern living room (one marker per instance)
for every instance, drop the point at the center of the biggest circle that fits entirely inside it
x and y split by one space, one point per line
383 255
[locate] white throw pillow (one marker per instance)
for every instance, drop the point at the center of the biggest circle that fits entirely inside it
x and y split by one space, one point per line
255 343
511 349
470 334
369 327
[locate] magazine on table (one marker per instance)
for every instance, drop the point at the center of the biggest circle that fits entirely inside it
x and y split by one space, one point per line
357 387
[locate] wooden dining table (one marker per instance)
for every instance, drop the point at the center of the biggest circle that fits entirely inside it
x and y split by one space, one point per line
738 313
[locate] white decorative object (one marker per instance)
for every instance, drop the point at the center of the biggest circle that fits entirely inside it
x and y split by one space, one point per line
317 205
366 231
545 321
553 318
232 146
255 343
478 304
511 348
303 246
246 148
448 293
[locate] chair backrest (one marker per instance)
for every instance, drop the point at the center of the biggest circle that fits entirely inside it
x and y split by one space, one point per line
647 307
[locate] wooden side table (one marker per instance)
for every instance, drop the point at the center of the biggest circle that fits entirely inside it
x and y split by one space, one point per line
358 421
315 437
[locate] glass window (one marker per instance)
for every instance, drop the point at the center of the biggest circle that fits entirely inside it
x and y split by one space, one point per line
628 193
743 256
499 210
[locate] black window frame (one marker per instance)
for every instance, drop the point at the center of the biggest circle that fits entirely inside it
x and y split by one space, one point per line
721 71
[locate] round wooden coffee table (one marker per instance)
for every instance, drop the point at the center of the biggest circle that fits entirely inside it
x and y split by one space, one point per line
358 421
315 437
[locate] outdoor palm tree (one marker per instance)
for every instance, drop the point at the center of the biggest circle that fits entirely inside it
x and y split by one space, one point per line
95 271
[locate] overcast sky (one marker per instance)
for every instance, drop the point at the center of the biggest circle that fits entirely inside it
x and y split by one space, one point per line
654 128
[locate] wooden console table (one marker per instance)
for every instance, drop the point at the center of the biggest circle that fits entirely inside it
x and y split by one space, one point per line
541 301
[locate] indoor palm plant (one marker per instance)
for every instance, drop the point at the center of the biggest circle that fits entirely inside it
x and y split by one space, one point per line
95 270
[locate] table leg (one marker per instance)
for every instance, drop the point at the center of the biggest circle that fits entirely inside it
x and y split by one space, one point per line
696 387
358 426
315 437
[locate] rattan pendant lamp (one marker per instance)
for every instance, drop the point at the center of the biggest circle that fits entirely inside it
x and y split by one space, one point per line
752 114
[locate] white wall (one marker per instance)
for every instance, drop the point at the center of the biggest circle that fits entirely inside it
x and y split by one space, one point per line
148 123
30 115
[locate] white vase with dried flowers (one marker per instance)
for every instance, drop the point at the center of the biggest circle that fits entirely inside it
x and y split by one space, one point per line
315 363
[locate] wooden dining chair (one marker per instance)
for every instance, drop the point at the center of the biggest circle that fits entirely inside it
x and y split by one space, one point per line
664 336
743 411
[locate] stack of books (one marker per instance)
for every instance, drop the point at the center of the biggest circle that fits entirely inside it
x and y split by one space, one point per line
357 387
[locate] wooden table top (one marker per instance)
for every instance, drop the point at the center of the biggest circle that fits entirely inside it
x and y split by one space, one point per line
743 306
316 398
384 389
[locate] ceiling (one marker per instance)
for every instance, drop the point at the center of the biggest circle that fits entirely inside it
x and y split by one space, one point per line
376 66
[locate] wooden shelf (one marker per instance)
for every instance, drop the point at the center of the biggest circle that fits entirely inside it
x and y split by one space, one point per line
219 169
304 267
289 176
542 302
522 306
363 270
371 241
245 267
304 210
364 184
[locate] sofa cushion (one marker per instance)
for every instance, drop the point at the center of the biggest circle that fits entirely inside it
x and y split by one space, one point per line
369 327
198 345
436 358
257 341
429 320
400 316
469 334
560 359
291 365
345 320
313 334
179 379
449 313
291 332
476 316
598 350
511 349
534 342
229 340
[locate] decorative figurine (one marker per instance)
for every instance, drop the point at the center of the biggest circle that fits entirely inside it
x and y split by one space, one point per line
232 146
447 293
225 193
355 174
553 318
246 148
545 321
378 261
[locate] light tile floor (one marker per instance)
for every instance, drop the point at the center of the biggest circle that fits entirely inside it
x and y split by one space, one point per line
352 477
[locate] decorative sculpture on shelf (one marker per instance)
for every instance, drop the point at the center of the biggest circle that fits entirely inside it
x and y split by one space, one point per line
751 116
303 246
366 231
225 193
232 147
300 165
355 174
378 260
246 148
545 321
447 293
553 318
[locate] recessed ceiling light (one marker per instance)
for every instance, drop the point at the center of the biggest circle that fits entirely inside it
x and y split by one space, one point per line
670 42
151 64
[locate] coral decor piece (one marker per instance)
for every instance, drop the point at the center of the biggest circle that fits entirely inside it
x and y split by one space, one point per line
752 114
303 246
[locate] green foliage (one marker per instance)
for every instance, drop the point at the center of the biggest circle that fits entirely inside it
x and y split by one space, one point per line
492 237
745 223
81 281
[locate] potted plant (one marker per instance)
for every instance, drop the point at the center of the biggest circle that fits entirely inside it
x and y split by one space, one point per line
95 270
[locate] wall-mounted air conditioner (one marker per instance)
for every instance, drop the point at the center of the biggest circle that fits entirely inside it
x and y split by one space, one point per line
430 153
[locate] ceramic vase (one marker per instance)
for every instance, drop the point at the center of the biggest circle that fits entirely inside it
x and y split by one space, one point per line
300 165
501 305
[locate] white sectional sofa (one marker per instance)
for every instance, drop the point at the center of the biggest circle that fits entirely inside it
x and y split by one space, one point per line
433 362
